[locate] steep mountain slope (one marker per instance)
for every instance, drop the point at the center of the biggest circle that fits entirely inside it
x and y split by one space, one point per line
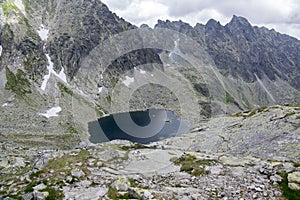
65 63
42 43
258 65
241 50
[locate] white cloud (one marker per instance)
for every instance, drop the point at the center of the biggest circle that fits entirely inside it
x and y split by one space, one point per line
139 12
117 4
283 15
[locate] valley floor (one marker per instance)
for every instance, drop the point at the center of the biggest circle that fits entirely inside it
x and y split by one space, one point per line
249 155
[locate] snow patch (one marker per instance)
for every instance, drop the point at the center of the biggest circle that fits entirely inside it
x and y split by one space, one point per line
264 87
175 50
2 80
52 112
142 71
128 80
1 50
100 89
81 92
21 6
5 105
46 78
62 75
139 70
43 33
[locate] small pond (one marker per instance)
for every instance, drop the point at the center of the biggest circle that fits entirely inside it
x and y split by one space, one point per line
139 126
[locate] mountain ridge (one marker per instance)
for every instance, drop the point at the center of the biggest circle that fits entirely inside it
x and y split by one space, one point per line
241 33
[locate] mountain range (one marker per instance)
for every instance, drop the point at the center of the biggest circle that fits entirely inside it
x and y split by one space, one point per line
45 46
65 63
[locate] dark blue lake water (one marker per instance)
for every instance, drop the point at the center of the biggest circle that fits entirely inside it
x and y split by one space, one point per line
140 126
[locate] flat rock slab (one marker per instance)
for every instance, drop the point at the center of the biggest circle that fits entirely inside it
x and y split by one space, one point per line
93 193
153 161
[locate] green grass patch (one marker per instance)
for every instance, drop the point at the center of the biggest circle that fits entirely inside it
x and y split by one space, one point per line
17 197
29 187
72 130
289 114
35 175
133 147
66 160
8 7
63 165
229 99
286 191
53 194
133 183
31 62
108 98
296 164
17 83
115 195
250 113
64 89
100 110
196 167
292 105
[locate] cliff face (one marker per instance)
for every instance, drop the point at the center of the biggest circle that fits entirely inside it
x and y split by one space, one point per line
43 44
241 50
258 66
74 28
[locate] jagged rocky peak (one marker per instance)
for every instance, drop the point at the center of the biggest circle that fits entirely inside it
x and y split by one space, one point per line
174 25
74 29
250 56
214 29
145 26
199 26
244 51
239 21
241 27
213 24
76 34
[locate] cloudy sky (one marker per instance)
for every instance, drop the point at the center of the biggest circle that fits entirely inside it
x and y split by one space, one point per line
282 15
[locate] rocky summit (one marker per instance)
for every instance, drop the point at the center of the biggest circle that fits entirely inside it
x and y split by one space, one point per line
65 63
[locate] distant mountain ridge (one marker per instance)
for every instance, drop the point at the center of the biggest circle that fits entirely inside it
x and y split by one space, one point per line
239 49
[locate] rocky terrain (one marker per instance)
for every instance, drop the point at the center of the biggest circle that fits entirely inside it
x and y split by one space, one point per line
249 155
64 64
246 54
